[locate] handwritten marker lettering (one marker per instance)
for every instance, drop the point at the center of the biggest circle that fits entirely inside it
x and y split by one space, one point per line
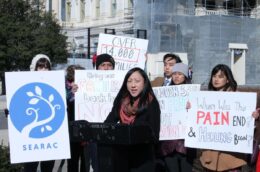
213 118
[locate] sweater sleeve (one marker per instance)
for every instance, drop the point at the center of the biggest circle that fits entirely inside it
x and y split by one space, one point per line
151 117
154 113
113 116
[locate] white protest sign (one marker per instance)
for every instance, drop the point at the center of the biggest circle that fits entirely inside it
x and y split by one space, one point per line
128 52
221 121
96 93
173 100
37 121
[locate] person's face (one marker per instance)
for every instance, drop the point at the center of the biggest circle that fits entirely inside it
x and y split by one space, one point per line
168 64
105 66
178 78
42 69
135 84
219 80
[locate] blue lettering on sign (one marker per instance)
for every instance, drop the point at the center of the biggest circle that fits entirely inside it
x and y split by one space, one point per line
37 110
40 146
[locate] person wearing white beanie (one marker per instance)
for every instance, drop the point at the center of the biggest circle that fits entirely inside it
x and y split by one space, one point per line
40 61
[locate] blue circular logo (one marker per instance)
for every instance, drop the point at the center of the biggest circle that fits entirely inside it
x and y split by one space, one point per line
37 110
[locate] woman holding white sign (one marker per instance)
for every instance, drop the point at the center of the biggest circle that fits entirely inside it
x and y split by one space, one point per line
136 104
222 80
173 151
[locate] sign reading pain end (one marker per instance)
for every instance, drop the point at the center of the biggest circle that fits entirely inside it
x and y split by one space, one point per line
221 121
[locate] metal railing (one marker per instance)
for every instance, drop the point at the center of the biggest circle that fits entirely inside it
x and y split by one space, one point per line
200 11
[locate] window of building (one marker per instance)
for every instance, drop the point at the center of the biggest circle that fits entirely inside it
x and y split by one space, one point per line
50 5
209 4
236 7
63 10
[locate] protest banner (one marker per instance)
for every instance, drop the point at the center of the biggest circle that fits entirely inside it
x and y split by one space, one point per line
221 121
173 100
128 52
96 93
37 121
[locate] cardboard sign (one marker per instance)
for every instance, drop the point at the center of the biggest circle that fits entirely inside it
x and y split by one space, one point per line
37 121
96 93
221 121
128 52
173 100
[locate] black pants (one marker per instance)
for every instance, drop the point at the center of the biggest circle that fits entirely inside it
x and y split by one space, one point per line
126 158
79 153
177 162
45 166
92 151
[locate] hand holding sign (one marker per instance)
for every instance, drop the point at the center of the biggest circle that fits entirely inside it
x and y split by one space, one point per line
188 105
255 114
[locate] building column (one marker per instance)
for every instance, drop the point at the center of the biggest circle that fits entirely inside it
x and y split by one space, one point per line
125 3
47 5
94 9
59 11
55 8
109 8
120 5
105 6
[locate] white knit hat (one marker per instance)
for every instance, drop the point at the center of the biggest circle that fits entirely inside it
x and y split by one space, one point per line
181 67
36 58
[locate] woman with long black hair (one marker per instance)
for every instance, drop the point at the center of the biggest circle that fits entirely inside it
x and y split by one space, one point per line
136 104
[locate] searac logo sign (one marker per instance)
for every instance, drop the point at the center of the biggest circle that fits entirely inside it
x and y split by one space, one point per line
37 110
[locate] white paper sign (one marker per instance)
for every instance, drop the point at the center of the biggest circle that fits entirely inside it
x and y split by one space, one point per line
37 121
96 93
128 52
221 121
173 100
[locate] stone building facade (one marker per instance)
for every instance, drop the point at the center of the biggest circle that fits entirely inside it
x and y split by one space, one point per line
205 30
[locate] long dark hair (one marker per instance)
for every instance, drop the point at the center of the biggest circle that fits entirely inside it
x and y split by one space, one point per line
146 96
186 81
231 84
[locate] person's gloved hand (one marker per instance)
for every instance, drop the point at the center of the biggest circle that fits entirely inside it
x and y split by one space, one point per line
6 112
